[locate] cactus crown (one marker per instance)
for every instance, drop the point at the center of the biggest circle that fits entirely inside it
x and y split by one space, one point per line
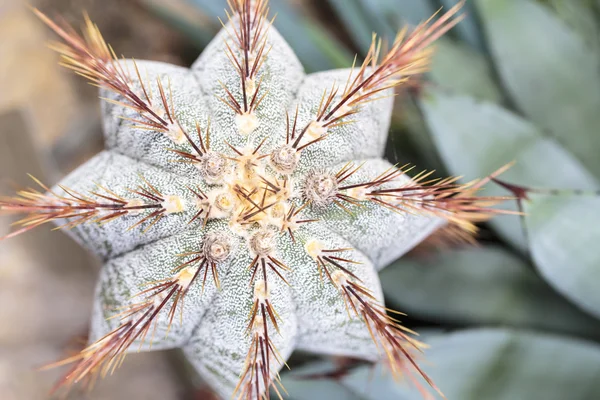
281 216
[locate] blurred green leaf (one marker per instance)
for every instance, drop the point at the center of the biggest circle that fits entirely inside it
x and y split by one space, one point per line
211 7
338 55
564 232
455 67
468 30
458 68
550 72
301 384
387 16
356 20
302 389
395 13
414 135
487 285
475 138
296 29
580 15
495 364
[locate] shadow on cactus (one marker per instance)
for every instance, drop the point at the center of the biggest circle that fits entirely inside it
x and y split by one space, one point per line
253 194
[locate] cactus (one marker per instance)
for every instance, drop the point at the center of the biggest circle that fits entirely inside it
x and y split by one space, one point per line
243 208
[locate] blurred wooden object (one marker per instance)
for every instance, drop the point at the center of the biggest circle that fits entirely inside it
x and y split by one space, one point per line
46 280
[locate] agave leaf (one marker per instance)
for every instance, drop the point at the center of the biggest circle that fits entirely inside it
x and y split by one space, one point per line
457 67
468 30
580 16
398 12
315 53
305 383
564 232
550 72
356 19
337 54
388 15
475 138
310 389
496 364
413 135
463 70
487 285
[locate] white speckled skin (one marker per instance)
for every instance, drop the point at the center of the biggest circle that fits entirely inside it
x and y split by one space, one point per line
213 332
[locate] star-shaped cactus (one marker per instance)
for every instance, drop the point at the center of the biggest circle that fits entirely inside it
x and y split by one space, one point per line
243 208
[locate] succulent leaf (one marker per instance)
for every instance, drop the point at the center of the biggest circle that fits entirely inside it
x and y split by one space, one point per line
489 134
487 285
462 70
496 364
563 231
469 31
536 55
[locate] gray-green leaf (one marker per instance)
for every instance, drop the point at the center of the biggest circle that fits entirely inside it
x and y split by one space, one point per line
463 70
476 138
486 285
551 73
497 364
564 232
468 30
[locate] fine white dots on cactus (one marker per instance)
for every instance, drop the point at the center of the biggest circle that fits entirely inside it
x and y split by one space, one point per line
247 122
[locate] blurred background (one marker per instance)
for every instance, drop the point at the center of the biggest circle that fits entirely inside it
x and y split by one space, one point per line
515 317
